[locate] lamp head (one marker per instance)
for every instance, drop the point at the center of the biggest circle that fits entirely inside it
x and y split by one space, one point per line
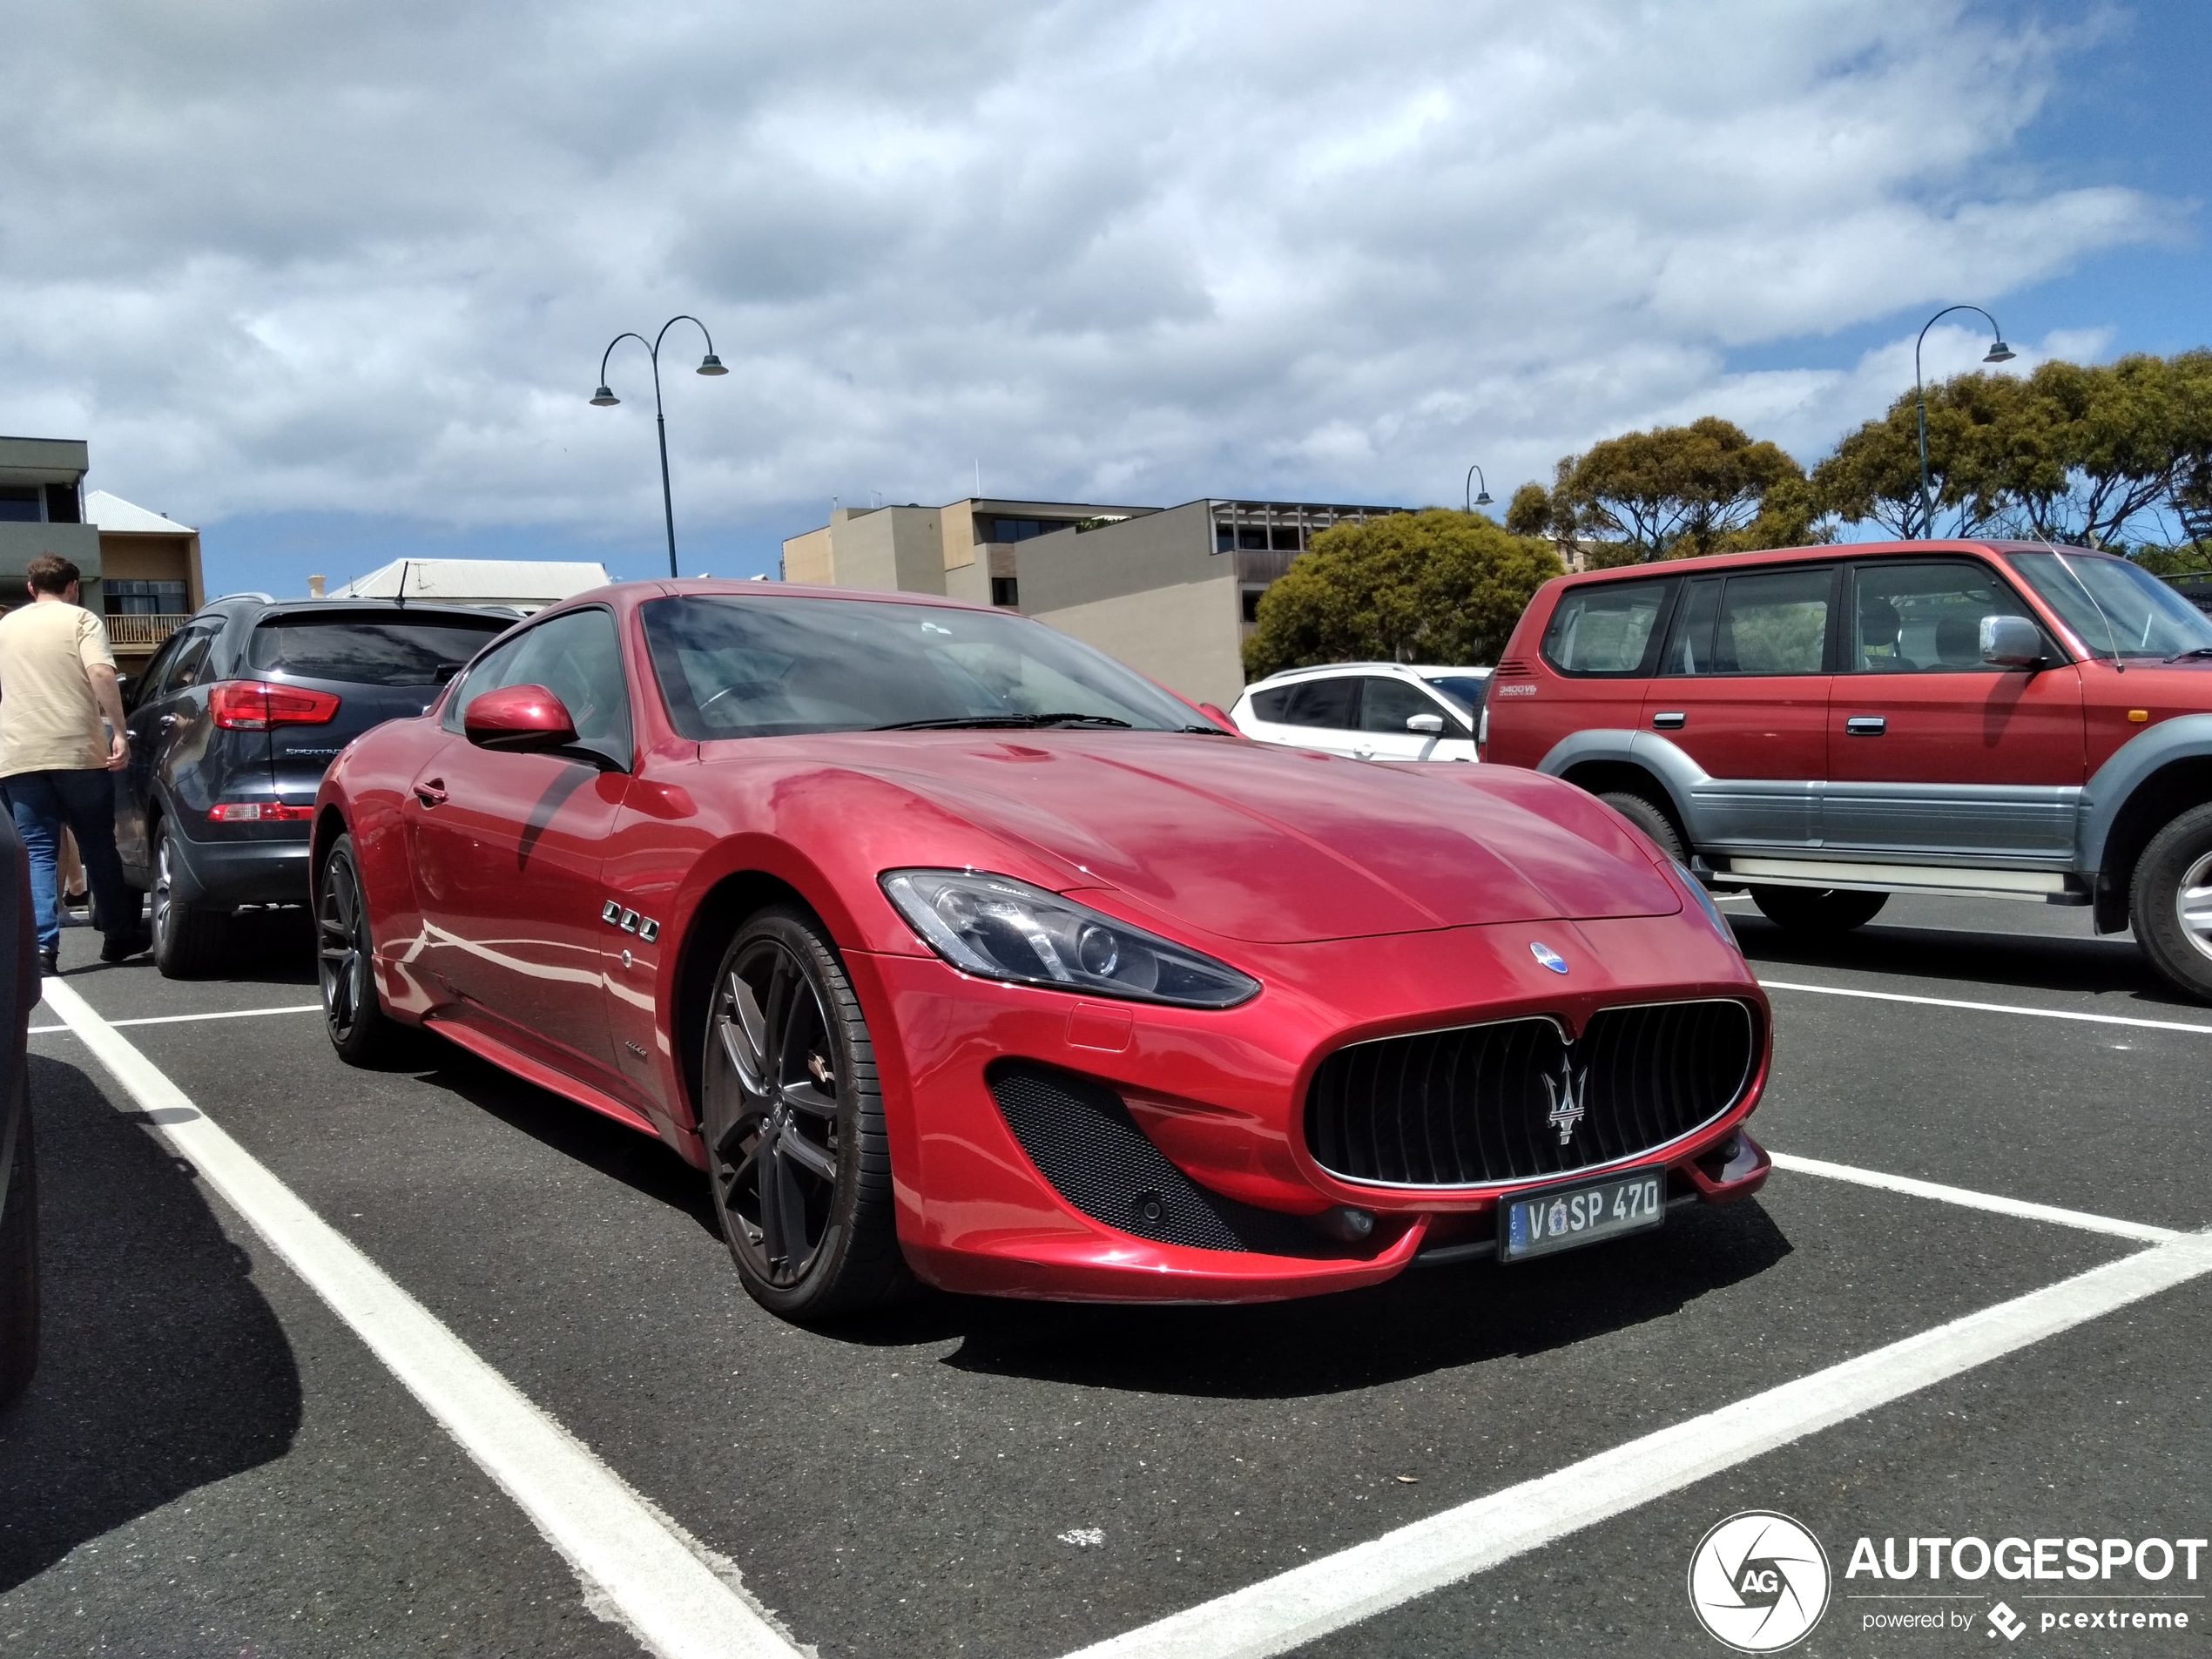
1483 500
711 365
603 398
1999 352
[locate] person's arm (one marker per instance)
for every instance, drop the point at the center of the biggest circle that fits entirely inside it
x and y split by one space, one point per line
110 697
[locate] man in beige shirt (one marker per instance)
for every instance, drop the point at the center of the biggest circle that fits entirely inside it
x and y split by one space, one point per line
57 684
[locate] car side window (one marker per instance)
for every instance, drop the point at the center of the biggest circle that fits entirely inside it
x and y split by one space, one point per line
1604 627
148 684
189 666
1923 618
1269 705
575 656
1386 704
1775 621
1689 641
1330 703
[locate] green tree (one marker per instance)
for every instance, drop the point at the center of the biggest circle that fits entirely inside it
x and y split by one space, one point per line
1435 586
1675 491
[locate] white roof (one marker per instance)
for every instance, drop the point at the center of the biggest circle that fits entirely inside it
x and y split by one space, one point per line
477 581
113 513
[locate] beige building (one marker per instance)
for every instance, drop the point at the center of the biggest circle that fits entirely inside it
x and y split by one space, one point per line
140 569
1171 592
966 550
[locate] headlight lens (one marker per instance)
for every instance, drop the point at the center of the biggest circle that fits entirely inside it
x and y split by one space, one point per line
1000 928
1696 890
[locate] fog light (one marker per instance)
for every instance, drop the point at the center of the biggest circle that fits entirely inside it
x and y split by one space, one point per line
1346 1224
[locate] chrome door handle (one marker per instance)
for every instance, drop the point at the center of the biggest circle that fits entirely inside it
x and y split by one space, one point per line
168 720
1670 720
431 792
1363 752
1866 725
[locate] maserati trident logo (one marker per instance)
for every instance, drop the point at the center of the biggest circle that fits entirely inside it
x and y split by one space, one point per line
1548 956
1567 1092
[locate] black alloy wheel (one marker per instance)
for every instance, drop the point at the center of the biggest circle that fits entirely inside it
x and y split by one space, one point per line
793 1119
360 1029
188 939
1818 912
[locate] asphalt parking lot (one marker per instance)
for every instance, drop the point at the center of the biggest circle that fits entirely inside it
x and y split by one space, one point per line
212 1461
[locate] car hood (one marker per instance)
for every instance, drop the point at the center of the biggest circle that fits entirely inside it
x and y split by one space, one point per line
1270 844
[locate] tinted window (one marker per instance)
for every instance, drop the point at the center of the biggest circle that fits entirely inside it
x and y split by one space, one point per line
1327 703
1775 623
575 656
1603 627
1386 704
1923 618
1466 690
189 665
368 651
741 667
2118 609
1689 643
19 505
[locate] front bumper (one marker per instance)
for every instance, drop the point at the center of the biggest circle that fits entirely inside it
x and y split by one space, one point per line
1221 1094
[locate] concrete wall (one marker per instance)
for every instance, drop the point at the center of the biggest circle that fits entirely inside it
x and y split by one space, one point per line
40 461
20 543
1183 636
807 558
1158 551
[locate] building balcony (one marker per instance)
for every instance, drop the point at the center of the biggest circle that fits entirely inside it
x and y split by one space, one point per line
142 632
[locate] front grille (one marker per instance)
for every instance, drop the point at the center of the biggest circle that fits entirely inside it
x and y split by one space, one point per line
1489 1103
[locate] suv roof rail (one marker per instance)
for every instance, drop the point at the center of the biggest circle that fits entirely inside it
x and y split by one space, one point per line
265 599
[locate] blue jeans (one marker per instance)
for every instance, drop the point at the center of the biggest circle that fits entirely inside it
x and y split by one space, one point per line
41 802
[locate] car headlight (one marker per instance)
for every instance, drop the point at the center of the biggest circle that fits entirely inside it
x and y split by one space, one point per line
1000 929
1696 890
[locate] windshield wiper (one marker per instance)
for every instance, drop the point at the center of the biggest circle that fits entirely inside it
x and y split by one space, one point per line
1210 731
1017 721
2194 650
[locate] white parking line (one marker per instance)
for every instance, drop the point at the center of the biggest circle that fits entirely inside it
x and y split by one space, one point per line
630 1558
1309 1601
1967 1196
1989 1008
187 1018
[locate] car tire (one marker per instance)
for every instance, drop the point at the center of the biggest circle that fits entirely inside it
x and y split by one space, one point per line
1647 816
792 1114
2177 862
19 1266
1821 912
189 939
353 1014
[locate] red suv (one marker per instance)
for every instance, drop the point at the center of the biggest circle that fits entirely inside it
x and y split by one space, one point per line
1828 725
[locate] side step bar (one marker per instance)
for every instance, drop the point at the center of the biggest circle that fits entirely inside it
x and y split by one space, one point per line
2035 886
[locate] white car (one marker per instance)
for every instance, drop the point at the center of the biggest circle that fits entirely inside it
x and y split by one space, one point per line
1374 711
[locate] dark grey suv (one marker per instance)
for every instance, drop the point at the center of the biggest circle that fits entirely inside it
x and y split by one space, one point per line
234 723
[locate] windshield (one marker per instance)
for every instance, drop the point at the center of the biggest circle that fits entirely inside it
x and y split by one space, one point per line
370 651
742 667
2115 608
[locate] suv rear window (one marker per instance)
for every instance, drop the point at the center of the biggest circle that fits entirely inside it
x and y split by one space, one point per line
1325 703
370 651
1603 627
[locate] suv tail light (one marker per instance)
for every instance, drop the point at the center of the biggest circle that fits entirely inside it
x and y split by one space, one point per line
259 811
255 705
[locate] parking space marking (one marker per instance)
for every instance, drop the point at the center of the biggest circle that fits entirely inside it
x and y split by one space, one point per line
2142 1232
186 1019
1309 1601
1988 1008
633 1562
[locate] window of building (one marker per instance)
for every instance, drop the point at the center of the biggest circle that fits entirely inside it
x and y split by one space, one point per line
1250 600
1006 591
1020 530
130 597
1284 538
21 504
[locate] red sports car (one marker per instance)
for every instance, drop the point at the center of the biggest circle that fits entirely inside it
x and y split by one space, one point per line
948 946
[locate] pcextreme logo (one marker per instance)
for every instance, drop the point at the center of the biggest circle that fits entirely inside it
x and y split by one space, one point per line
1758 1581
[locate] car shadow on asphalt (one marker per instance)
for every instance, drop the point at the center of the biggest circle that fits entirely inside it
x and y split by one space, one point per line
2029 961
1426 1319
162 1368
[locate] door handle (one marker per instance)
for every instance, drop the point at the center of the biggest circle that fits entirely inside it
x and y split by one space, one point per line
168 720
1363 752
431 792
1670 720
1866 725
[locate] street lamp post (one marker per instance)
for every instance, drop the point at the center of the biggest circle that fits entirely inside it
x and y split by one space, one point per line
604 399
1483 500
1999 353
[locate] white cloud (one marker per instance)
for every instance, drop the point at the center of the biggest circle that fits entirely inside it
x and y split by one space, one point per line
364 257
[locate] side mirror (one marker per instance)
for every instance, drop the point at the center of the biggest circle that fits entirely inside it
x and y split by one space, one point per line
519 719
2011 642
125 684
1427 725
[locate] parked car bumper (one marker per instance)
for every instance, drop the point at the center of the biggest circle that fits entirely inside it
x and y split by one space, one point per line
260 871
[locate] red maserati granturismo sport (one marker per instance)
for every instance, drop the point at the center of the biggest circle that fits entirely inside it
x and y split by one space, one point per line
949 948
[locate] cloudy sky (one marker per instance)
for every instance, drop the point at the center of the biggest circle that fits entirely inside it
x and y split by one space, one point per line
333 281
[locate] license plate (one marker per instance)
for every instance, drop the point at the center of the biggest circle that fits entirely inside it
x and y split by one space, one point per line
1563 1217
